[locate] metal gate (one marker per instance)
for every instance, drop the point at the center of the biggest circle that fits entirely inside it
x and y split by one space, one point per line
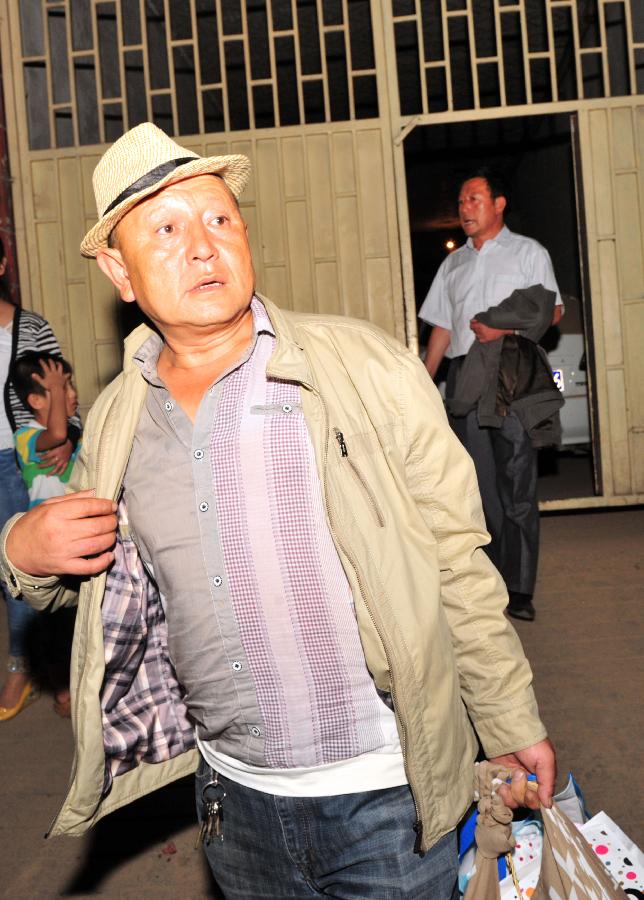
321 95
303 105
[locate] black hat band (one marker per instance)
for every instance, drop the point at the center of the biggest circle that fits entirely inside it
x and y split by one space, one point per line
150 178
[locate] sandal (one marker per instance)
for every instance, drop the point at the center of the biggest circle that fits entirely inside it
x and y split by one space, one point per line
29 693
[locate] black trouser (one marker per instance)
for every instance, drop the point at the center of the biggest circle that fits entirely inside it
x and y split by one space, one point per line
506 468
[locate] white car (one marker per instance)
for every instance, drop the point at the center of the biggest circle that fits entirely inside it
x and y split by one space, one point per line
568 363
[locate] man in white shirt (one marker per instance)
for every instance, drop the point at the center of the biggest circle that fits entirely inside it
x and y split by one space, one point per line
484 271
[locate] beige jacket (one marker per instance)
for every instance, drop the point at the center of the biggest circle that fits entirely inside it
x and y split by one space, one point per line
405 514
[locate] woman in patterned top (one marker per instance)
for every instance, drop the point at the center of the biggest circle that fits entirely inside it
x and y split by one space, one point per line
20 332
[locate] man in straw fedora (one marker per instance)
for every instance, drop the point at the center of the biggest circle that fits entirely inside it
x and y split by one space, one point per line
275 541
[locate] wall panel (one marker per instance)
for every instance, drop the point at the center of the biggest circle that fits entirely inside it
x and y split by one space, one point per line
299 241
83 347
634 330
599 153
52 288
270 197
612 154
373 202
349 253
327 287
318 151
70 187
613 349
293 168
44 188
629 233
619 426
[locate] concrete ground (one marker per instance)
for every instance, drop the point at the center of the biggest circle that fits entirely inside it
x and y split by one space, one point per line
587 654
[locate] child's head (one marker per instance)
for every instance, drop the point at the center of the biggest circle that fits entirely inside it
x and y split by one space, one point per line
34 395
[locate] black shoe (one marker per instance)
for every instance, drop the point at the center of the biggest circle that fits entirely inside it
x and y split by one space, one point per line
520 606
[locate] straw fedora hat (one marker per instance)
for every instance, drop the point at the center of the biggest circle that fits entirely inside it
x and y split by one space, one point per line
140 163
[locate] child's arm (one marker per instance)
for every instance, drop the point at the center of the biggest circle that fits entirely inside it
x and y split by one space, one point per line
53 380
57 459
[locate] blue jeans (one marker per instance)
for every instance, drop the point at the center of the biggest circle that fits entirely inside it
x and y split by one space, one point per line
352 846
13 499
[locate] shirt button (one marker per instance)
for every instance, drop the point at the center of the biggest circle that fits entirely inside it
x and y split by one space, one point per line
217 581
169 405
237 667
287 408
255 731
203 506
198 454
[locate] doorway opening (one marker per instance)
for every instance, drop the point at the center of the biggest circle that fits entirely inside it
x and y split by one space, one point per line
535 155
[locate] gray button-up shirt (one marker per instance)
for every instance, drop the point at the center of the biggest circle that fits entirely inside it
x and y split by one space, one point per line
229 519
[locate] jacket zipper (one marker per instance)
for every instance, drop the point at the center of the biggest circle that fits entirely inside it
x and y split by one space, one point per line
371 499
418 824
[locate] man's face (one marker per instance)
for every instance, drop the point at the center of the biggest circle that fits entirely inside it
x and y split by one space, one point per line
185 256
481 215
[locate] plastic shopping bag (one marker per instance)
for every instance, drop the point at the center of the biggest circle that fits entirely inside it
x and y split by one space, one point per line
617 853
528 836
570 869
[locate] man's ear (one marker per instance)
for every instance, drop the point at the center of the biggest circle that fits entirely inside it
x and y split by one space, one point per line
3 265
499 204
111 264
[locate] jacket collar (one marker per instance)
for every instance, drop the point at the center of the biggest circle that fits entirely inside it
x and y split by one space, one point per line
288 362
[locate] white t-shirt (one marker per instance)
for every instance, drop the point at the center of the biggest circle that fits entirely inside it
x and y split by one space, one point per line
373 771
469 281
6 435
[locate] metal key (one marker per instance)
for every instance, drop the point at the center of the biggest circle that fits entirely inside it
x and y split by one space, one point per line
212 826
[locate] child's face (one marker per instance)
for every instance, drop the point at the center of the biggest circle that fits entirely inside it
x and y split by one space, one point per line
71 396
41 403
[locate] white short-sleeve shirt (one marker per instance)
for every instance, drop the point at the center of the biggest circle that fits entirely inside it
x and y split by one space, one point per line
469 281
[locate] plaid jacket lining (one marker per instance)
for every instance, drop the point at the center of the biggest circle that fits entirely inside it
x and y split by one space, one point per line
144 716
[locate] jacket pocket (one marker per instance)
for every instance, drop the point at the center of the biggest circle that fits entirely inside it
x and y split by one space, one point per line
361 481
